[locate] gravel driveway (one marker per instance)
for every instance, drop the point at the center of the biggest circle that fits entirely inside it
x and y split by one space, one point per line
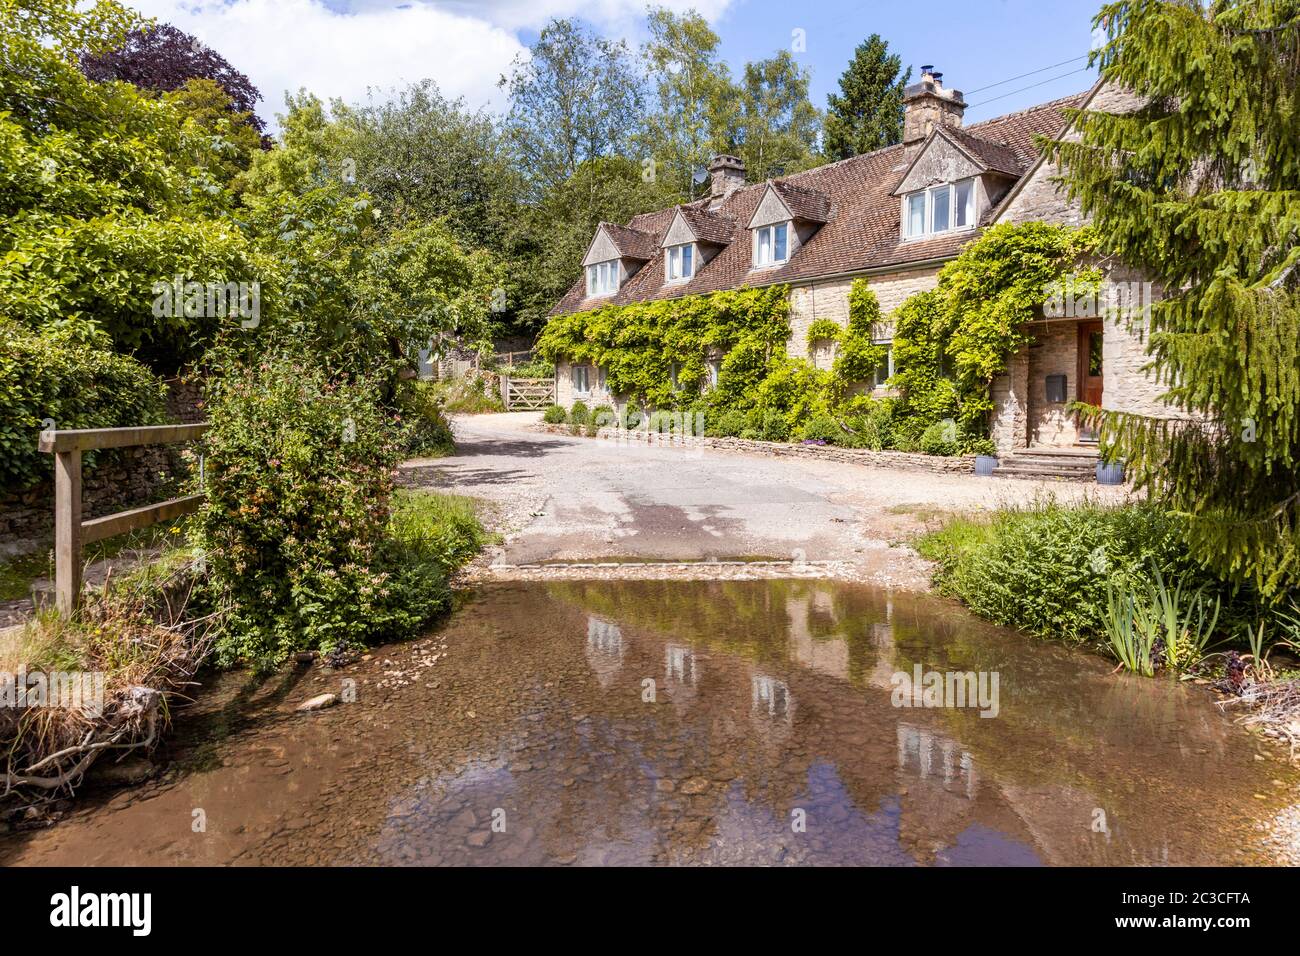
637 510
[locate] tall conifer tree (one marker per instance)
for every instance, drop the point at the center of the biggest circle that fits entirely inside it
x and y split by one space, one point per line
1200 190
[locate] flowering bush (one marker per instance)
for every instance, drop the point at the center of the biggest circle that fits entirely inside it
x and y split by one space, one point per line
299 484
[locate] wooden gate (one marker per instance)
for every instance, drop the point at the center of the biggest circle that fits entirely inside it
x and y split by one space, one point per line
527 394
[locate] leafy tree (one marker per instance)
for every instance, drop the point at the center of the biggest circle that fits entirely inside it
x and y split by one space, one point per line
104 190
364 296
1199 189
421 157
164 58
778 125
867 113
695 108
575 98
227 138
551 238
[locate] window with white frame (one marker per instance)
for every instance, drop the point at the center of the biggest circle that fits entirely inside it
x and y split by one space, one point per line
885 370
715 371
772 244
680 262
602 278
580 376
942 208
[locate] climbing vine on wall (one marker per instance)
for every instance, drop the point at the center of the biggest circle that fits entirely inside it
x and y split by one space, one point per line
641 344
952 342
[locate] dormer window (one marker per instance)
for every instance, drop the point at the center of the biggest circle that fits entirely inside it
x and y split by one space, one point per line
679 262
772 244
602 278
942 208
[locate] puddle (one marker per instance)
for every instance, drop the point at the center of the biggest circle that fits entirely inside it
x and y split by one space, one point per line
523 733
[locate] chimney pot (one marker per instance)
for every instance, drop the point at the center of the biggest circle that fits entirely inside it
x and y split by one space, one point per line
727 174
927 104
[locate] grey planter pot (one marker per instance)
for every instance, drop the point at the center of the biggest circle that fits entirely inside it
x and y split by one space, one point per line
1110 474
984 465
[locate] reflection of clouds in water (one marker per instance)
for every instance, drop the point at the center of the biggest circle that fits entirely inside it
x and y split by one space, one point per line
604 649
936 757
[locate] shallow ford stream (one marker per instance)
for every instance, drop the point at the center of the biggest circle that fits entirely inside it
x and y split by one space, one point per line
668 722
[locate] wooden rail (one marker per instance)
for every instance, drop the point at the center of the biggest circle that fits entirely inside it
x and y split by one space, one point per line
527 394
70 532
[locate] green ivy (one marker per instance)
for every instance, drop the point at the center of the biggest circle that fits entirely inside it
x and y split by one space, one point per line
952 342
949 345
639 345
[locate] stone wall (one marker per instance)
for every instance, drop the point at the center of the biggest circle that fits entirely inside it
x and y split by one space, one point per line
125 478
959 465
1055 352
117 480
1009 425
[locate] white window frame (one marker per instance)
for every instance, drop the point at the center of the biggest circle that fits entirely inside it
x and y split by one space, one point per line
715 372
759 233
927 226
603 278
675 269
889 366
585 387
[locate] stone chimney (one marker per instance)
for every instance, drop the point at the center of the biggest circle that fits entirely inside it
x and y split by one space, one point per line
927 104
728 175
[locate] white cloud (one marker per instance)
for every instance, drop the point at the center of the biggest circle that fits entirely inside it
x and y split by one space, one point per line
342 48
287 44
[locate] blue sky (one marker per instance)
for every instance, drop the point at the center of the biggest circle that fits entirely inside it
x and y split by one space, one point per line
344 48
974 44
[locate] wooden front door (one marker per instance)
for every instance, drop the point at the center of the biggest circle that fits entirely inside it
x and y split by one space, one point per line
1090 357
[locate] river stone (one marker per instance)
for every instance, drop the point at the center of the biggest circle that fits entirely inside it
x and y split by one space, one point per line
695 785
319 702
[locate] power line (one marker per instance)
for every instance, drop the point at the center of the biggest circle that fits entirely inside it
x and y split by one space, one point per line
1030 73
1002 96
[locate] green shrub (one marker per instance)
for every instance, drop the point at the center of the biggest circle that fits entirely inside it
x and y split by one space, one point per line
555 415
1047 568
427 431
824 428
751 434
940 438
728 424
775 426
979 446
299 480
69 375
578 414
602 416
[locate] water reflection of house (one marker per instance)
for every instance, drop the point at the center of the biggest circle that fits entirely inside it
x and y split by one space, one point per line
828 656
938 787
604 649
770 701
681 674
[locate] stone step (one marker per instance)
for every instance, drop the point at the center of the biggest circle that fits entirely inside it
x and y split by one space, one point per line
1086 467
1039 472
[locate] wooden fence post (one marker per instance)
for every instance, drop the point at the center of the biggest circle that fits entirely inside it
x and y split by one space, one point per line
67 530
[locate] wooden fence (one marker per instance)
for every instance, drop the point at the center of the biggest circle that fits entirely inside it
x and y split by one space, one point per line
70 532
527 394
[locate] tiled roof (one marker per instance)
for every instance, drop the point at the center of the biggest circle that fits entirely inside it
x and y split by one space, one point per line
707 226
806 204
999 157
632 243
862 230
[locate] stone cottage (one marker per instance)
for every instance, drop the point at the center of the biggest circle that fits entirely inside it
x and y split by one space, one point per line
893 217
